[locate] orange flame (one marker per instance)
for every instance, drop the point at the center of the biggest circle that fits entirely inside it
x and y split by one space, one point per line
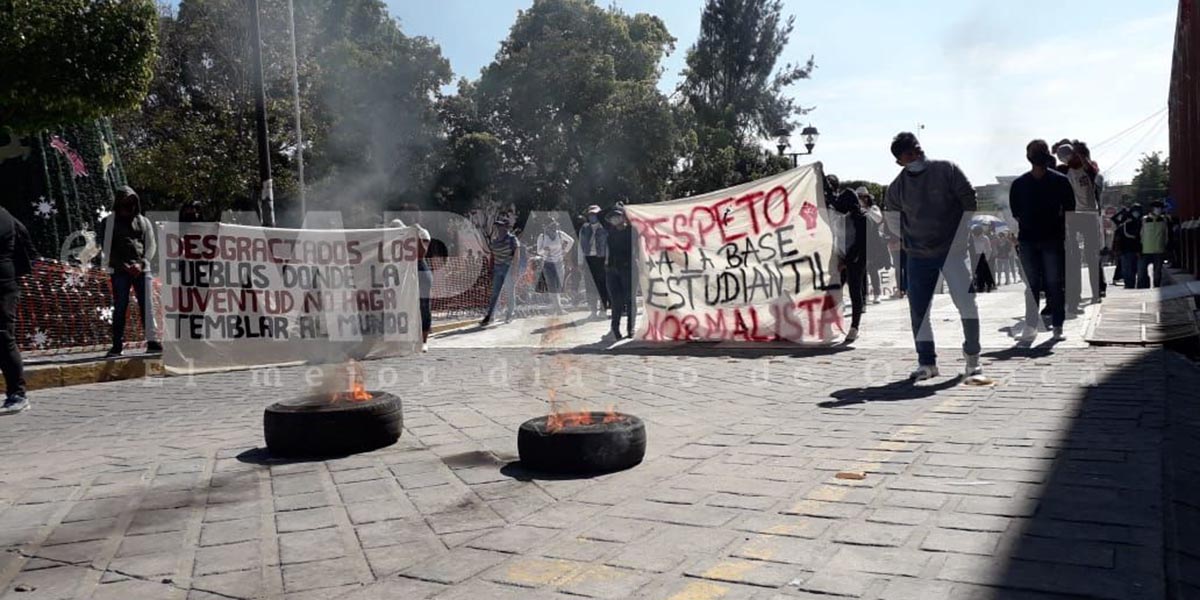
611 415
555 422
356 390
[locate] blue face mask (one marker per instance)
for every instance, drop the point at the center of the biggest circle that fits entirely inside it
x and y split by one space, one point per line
916 166
593 219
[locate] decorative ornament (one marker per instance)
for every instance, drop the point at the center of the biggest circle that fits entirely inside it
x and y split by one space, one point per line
106 159
103 213
44 208
106 313
73 280
78 169
40 339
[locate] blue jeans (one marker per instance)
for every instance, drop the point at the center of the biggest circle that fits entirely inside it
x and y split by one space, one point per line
922 280
1147 262
499 277
1045 265
1129 269
620 293
121 284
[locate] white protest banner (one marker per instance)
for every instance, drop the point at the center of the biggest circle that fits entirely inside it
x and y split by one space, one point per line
236 296
751 263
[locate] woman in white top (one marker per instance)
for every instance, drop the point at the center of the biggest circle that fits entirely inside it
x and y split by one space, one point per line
553 245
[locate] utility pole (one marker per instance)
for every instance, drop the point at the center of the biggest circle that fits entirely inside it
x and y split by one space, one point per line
296 100
267 197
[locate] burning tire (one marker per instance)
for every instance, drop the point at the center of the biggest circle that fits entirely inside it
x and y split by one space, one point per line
315 426
595 443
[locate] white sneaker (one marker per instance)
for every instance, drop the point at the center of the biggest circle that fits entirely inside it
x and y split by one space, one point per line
973 367
924 372
425 347
851 335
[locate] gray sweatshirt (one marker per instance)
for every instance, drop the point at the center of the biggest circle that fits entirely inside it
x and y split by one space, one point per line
926 209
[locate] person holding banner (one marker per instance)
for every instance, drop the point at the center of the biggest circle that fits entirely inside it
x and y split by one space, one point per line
619 271
424 273
130 245
926 205
850 235
593 241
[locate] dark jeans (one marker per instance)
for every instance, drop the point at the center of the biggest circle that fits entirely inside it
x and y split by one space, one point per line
1145 263
598 291
121 283
922 280
425 284
10 354
1129 269
1087 226
499 277
1044 263
856 278
620 293
900 264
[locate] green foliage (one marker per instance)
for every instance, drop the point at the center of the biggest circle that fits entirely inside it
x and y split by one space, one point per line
571 101
67 61
735 95
1153 178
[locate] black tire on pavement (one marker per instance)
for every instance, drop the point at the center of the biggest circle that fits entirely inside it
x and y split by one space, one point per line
595 448
314 427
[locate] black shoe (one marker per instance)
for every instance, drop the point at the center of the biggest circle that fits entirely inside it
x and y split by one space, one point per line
14 404
114 352
154 347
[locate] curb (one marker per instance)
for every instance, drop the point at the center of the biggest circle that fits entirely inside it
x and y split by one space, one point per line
46 376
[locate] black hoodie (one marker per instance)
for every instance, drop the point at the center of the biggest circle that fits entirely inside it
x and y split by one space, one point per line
16 251
127 241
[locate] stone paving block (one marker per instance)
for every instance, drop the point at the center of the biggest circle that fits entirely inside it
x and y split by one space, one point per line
533 572
58 583
515 539
792 551
599 581
921 500
965 542
899 516
1072 552
834 583
74 553
296 484
229 532
130 588
309 546
836 493
884 561
318 575
303 501
85 510
151 543
1045 577
304 520
747 572
354 475
872 534
470 519
146 566
702 589
677 496
231 511
426 479
1001 507
825 510
725 500
580 550
380 510
227 558
395 588
434 500
700 516
387 533
970 522
385 561
478 590
912 589
612 529
793 526
365 491
455 566
81 531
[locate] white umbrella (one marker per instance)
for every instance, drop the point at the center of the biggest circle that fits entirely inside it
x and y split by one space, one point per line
986 220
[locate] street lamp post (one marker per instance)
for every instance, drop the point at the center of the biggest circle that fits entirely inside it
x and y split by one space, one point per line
784 141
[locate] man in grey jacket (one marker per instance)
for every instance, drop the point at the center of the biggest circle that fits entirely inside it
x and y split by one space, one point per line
129 244
928 206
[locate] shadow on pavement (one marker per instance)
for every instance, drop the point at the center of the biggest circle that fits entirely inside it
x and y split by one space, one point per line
1023 350
904 389
520 473
260 456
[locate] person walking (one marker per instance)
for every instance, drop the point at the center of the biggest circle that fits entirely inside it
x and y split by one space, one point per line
878 256
979 250
1155 237
128 241
849 231
506 252
16 261
1040 201
593 241
553 245
619 272
925 205
1002 251
1128 238
1084 223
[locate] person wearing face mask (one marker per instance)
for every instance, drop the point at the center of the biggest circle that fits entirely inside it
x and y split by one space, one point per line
848 219
593 240
1154 246
129 243
553 245
619 271
1040 201
1128 237
925 207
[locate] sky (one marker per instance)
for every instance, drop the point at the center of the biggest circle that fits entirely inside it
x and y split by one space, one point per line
982 77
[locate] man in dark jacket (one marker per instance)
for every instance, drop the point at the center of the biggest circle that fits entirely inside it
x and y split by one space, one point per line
16 260
1040 200
619 271
925 207
129 244
850 236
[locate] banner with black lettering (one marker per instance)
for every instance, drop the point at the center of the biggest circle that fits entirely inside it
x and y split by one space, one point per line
750 263
235 296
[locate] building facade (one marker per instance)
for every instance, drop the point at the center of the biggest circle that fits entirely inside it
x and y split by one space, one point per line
1184 105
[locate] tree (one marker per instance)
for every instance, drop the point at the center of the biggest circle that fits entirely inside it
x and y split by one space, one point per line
572 101
68 61
734 94
1152 180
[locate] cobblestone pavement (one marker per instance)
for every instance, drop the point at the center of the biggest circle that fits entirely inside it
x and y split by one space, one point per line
1047 485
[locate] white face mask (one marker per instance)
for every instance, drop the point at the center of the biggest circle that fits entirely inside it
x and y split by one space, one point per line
916 166
1158 211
